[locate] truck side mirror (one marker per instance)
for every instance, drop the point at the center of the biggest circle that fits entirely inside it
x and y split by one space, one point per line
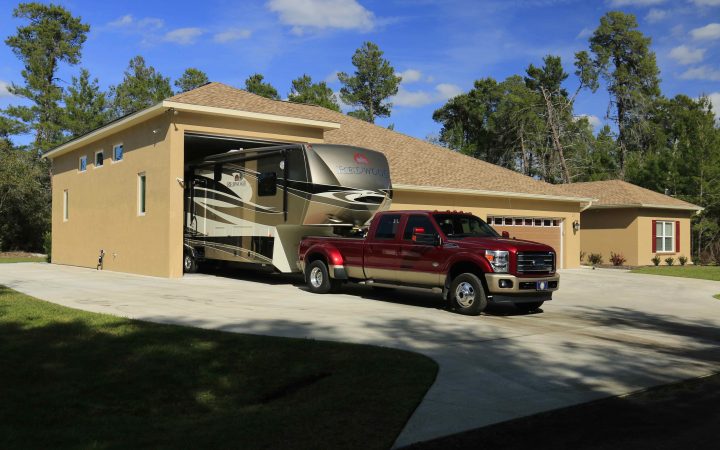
506 235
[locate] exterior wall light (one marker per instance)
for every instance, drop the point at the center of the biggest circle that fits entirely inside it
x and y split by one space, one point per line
576 226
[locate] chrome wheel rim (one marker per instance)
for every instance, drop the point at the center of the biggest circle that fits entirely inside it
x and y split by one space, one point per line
316 277
188 263
465 294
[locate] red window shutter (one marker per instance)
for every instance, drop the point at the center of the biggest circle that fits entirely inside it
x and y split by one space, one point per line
654 235
677 236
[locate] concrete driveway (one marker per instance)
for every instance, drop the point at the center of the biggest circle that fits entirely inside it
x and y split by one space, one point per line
607 332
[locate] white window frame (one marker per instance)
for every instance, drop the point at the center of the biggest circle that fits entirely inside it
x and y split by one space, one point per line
142 194
66 206
80 162
114 154
664 236
99 152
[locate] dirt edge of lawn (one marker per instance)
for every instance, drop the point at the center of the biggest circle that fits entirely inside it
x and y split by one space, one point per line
77 379
676 415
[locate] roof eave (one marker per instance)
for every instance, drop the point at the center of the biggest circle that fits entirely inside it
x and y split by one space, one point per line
695 208
488 193
108 129
263 117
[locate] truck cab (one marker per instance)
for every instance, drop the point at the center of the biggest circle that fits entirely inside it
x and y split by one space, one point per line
453 251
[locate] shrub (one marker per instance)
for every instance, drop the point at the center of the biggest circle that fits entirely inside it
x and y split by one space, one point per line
669 260
617 259
595 258
47 245
656 260
696 260
683 260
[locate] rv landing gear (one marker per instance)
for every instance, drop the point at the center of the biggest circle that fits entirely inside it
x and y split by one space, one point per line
189 263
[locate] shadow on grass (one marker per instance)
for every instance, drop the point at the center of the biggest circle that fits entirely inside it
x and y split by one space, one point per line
72 379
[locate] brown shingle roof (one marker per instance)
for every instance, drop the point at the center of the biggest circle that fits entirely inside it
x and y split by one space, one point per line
412 161
620 193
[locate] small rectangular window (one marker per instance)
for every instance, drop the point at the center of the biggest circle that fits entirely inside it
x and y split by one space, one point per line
82 166
267 184
66 206
547 222
538 222
118 153
528 222
497 221
518 221
556 223
508 221
142 191
99 159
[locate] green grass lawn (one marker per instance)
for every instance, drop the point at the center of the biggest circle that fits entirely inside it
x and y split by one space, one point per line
73 379
22 259
701 272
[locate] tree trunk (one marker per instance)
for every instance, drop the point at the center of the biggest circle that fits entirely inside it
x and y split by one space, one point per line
556 136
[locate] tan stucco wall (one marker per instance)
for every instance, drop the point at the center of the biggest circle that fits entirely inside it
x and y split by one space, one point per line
482 206
610 230
628 231
103 203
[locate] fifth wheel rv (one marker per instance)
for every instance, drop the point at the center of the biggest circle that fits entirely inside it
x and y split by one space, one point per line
255 205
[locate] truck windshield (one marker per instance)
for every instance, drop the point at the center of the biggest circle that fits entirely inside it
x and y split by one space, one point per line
458 226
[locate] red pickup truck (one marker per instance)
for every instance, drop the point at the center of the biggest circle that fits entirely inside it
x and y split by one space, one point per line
455 252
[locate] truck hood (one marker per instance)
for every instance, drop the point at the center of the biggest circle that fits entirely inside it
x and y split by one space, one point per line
511 245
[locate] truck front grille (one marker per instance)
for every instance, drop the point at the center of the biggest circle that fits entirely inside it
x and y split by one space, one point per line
535 262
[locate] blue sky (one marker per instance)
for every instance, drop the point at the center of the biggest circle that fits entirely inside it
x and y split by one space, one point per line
439 46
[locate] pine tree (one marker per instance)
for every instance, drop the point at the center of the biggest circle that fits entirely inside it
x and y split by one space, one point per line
255 84
191 79
53 36
141 88
305 91
86 106
372 83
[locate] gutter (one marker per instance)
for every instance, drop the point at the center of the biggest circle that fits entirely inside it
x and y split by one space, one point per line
697 209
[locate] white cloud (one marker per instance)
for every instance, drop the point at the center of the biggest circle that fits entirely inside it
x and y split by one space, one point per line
332 77
410 75
128 22
232 35
708 32
415 99
321 14
411 99
686 55
4 89
656 15
594 120
584 33
706 2
616 3
701 73
715 100
183 36
447 91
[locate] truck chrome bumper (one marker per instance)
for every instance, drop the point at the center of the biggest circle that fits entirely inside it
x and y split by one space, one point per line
502 284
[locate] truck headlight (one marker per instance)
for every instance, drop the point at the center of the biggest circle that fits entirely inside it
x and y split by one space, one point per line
498 260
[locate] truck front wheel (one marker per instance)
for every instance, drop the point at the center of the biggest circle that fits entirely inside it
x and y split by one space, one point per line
189 263
318 279
467 295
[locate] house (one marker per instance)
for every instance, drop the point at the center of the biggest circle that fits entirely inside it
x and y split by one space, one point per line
120 188
634 222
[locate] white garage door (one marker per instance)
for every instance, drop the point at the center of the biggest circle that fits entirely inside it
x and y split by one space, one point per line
538 229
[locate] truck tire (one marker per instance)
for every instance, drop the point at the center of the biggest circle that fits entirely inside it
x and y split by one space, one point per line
467 295
528 307
190 264
318 279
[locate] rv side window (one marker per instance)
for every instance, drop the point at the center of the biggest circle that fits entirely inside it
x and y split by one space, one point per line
267 184
387 228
